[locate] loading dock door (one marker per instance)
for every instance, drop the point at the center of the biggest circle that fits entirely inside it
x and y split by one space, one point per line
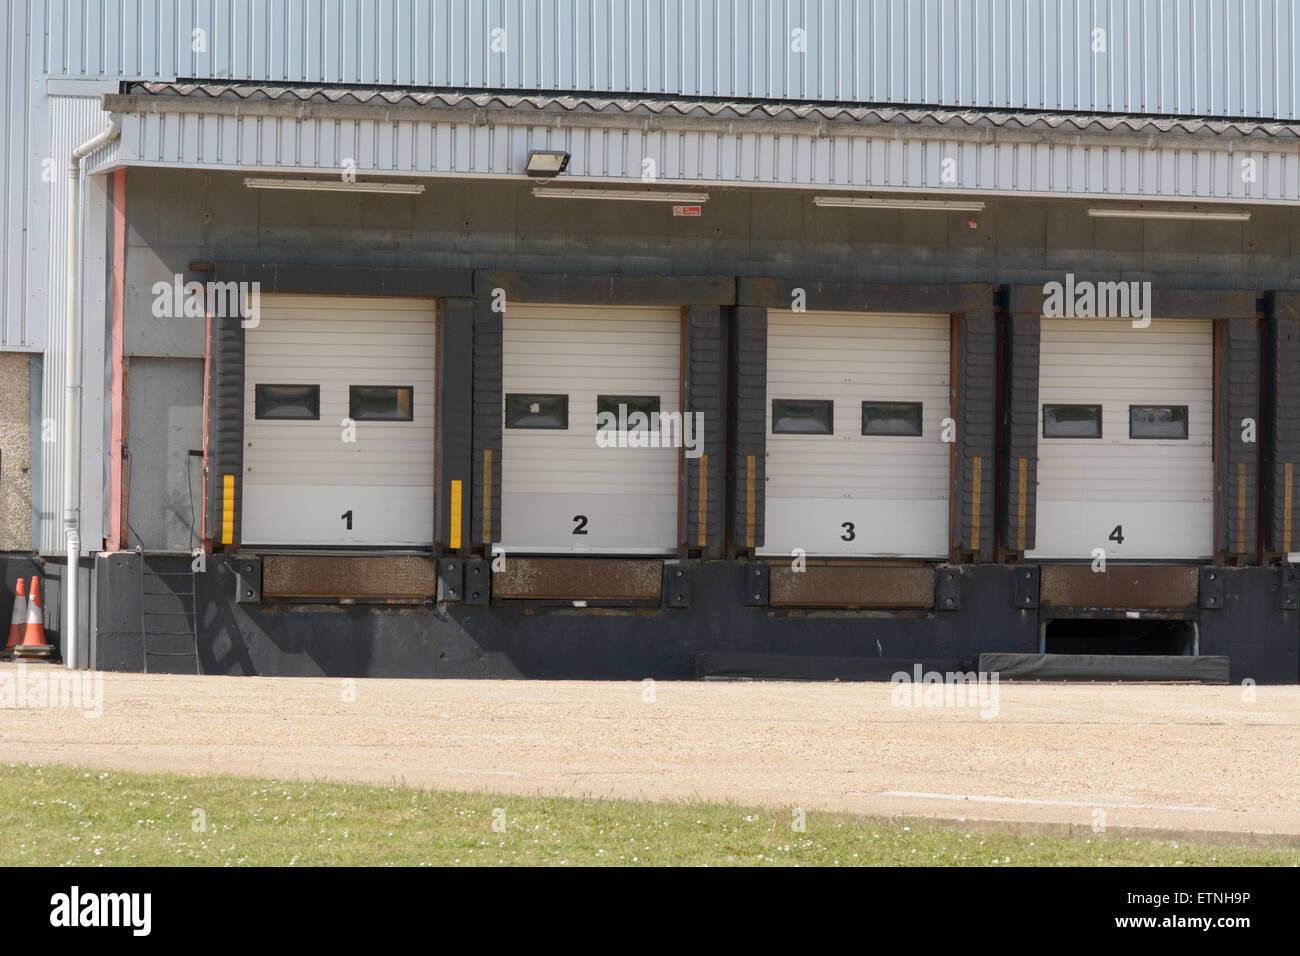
562 492
1125 448
856 464
312 365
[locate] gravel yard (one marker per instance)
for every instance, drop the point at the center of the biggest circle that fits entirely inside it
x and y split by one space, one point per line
1178 758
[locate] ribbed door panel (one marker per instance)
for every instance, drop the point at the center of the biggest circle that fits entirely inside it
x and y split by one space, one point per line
301 477
1159 492
549 477
893 490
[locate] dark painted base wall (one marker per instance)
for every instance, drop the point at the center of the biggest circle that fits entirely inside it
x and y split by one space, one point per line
453 640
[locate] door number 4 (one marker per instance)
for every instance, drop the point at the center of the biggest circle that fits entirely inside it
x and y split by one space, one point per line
1117 535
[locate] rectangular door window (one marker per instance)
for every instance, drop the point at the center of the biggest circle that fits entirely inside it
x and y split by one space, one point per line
891 418
380 403
1157 421
792 416
537 411
1071 421
289 402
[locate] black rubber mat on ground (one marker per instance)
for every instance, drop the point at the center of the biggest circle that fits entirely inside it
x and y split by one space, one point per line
1106 667
735 665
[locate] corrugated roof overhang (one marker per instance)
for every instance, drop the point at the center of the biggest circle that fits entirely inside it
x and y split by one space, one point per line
432 133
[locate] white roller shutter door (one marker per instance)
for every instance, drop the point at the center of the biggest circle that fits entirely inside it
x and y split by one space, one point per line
560 491
849 494
302 477
1159 493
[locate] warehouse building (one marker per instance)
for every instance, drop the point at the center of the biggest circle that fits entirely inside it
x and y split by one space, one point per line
628 340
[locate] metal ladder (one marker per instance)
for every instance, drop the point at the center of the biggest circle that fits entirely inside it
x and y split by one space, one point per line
168 620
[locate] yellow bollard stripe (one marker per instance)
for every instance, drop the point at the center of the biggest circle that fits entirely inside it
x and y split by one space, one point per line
702 539
487 495
749 505
227 509
454 543
1021 506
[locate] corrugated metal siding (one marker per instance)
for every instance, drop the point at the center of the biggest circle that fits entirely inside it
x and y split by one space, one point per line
893 490
1161 492
1210 57
299 477
16 81
628 495
24 199
72 120
854 158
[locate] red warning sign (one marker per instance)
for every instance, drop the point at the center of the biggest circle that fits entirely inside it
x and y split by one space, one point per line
688 210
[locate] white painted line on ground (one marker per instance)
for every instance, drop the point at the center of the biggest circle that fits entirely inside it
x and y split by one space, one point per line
976 798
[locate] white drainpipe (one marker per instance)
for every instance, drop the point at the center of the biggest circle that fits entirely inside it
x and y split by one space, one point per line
72 394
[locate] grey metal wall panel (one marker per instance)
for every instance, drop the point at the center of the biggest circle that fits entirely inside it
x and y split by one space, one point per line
16 94
1188 57
164 482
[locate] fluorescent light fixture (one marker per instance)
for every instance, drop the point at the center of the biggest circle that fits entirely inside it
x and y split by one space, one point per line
1206 215
633 195
546 162
335 186
866 202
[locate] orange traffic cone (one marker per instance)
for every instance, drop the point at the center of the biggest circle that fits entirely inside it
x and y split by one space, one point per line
19 618
34 644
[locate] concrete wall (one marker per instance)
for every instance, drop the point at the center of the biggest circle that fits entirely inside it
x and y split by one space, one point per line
15 452
164 423
176 216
